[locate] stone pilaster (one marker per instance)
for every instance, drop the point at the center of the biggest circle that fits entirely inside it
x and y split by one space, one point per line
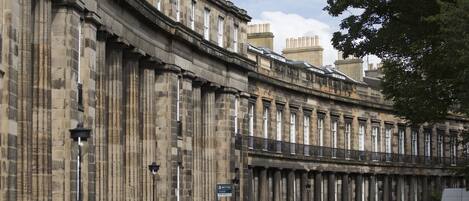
100 130
132 125
413 196
148 116
115 120
373 188
303 184
426 192
400 192
166 127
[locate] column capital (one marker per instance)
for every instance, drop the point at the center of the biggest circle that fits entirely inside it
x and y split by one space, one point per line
150 62
78 5
244 95
134 53
188 75
211 86
117 42
93 18
169 67
198 82
227 90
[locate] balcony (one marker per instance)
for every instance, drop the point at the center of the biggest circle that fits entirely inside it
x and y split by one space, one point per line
258 145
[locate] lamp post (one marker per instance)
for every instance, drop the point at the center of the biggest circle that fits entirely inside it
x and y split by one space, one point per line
153 168
79 134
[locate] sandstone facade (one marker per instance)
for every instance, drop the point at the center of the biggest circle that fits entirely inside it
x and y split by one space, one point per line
141 75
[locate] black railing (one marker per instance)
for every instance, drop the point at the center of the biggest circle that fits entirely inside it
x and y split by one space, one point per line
80 97
262 145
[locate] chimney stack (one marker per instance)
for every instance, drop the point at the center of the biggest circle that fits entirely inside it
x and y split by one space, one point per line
305 48
351 66
259 35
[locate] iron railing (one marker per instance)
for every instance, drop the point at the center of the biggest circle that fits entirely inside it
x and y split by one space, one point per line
313 152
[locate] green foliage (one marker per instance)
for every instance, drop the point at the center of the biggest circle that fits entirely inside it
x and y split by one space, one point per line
424 45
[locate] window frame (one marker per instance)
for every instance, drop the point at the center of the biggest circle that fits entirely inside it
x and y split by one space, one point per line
206 32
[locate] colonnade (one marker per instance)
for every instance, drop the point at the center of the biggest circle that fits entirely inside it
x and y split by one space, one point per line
280 184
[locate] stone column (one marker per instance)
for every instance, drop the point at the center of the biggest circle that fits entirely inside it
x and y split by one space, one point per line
277 184
304 182
224 137
263 185
66 30
148 113
42 100
400 188
318 186
25 87
197 141
345 187
132 124
166 127
208 122
186 150
332 187
413 189
101 120
358 187
373 190
290 186
439 186
387 188
426 192
114 55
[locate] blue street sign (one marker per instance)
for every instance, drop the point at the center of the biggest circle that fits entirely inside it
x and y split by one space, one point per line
224 190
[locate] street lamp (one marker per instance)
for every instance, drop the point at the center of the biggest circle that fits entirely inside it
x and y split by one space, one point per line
153 168
79 134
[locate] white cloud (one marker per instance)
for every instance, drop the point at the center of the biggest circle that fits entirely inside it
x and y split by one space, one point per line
287 25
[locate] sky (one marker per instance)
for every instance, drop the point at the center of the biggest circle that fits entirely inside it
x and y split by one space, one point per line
296 18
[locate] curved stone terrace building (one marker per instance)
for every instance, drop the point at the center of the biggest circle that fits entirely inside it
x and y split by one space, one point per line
176 82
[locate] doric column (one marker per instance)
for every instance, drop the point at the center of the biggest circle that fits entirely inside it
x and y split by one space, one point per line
439 185
373 188
425 190
400 192
413 189
66 51
263 185
101 120
115 118
132 124
197 141
41 117
208 133
359 187
332 187
166 129
224 137
290 186
304 183
387 188
148 113
318 186
345 187
277 184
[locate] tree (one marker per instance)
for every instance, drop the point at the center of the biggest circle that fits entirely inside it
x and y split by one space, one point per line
424 46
